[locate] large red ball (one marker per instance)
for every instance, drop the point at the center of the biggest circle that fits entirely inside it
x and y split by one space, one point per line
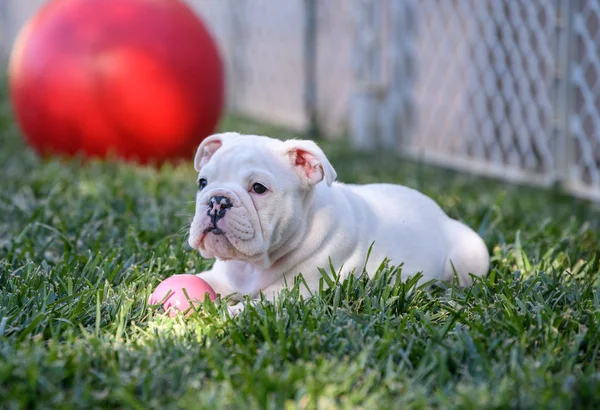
141 79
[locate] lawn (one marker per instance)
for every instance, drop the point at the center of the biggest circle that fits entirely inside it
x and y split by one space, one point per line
83 244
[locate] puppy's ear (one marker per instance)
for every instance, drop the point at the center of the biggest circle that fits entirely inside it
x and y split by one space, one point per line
208 147
310 162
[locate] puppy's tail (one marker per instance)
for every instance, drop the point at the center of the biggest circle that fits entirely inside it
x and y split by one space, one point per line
468 254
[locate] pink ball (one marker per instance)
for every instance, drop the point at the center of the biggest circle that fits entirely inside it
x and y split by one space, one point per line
176 300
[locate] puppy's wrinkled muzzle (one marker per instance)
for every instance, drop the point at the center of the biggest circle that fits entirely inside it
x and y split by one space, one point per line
217 208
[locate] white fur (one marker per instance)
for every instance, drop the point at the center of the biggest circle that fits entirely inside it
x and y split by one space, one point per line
305 219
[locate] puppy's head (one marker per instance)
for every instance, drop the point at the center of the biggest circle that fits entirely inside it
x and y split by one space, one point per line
253 193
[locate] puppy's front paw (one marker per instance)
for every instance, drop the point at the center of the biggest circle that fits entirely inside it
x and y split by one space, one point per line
236 309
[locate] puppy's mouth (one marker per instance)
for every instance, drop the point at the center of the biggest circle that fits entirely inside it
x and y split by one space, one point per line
214 230
217 232
225 230
227 249
211 230
216 243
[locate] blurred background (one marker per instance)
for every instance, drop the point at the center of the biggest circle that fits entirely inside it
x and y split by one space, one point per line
503 88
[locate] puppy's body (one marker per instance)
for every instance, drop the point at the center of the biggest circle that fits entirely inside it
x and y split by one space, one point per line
305 219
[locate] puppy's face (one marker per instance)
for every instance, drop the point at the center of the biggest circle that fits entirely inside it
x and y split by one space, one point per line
252 192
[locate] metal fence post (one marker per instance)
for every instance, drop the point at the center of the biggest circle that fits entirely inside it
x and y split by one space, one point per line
397 110
564 55
310 67
235 40
4 31
367 59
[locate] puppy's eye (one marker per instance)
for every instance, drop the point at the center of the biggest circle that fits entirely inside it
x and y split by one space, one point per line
202 183
259 188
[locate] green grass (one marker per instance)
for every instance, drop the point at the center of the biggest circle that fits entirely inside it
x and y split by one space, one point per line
83 244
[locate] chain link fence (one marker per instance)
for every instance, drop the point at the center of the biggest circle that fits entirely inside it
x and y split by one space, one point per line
505 88
583 161
508 88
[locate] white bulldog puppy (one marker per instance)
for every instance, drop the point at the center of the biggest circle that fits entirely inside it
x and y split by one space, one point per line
268 210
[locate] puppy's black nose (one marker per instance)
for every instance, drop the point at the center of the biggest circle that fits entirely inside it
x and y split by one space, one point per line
217 206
